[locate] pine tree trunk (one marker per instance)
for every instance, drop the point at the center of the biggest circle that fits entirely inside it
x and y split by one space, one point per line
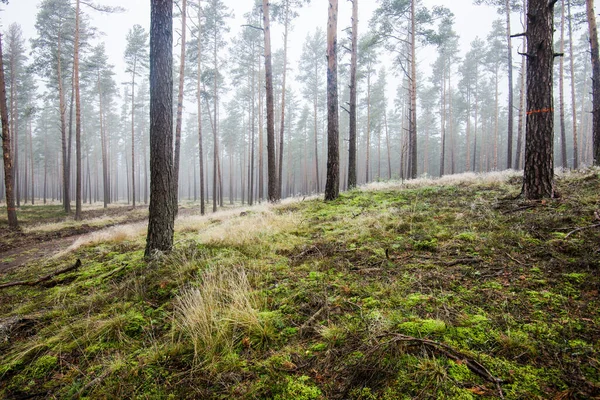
199 104
332 184
283 87
105 185
538 180
7 151
519 156
353 91
509 152
573 101
63 132
413 95
272 172
261 144
32 163
161 212
368 149
133 131
561 96
593 32
77 118
176 162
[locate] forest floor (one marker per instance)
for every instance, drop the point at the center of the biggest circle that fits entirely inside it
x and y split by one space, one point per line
447 289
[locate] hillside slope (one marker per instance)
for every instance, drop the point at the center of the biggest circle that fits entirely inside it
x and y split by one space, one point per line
432 289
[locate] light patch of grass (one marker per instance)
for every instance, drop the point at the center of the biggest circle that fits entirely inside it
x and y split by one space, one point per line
256 229
219 312
115 234
488 178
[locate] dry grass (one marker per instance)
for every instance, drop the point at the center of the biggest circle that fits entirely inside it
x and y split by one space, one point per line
447 180
114 234
217 313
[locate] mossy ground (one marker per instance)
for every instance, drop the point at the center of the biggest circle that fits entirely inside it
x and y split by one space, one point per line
464 265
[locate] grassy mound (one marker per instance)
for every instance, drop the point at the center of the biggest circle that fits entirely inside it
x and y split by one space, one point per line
390 292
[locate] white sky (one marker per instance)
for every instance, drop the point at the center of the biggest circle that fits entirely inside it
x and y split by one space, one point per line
471 21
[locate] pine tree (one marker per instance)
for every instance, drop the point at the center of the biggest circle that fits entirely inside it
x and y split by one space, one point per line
161 218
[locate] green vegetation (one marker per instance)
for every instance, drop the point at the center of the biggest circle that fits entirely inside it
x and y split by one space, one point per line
307 300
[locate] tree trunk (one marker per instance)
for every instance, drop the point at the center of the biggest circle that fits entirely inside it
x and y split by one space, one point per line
573 101
368 149
272 173
176 162
261 144
509 152
7 151
538 179
199 100
561 96
282 128
387 142
133 130
332 184
413 96
353 68
519 156
32 162
593 31
77 118
161 213
63 132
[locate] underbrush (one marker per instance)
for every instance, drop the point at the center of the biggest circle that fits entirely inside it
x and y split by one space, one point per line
429 290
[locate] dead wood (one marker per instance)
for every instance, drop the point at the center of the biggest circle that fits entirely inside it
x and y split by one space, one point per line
43 278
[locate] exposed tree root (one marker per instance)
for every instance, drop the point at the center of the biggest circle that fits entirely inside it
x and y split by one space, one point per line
43 278
449 352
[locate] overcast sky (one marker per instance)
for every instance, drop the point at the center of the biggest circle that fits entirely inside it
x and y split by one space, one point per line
471 21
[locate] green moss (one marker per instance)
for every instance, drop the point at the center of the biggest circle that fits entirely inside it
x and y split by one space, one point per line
299 388
422 327
43 366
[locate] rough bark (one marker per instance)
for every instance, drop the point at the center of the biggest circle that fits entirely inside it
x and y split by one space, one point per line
179 107
7 151
593 31
332 184
573 100
199 100
272 172
413 95
509 153
282 127
161 213
77 117
538 179
353 91
66 195
561 90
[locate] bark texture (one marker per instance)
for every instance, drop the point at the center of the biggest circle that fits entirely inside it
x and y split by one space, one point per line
353 69
161 213
538 179
271 168
593 30
332 184
7 151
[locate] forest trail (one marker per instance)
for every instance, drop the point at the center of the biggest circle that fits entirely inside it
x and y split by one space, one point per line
22 248
53 235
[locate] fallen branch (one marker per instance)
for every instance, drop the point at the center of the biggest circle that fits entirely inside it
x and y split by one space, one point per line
452 354
44 278
465 261
312 319
582 229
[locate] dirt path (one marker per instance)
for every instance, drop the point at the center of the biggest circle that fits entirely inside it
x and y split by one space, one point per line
21 249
